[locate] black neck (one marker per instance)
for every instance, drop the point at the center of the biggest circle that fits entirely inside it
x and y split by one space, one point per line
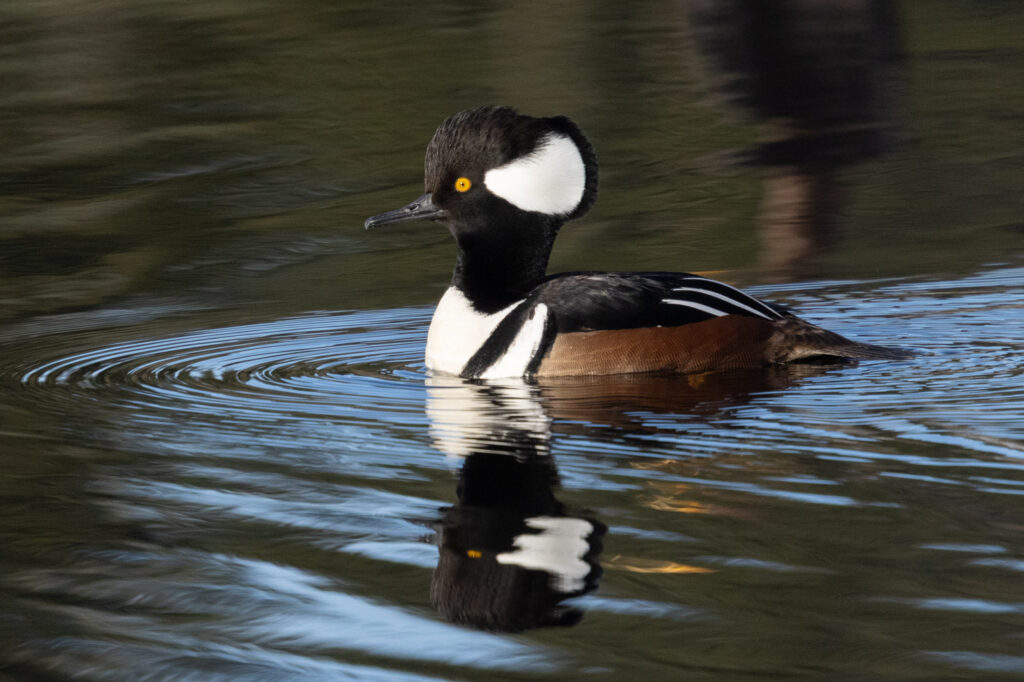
500 262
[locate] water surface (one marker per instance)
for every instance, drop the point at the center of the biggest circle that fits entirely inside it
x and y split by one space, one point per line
223 457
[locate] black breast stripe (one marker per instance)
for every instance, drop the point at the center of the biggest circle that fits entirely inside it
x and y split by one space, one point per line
501 339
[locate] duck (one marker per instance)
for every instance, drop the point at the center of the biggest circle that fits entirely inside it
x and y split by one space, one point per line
504 183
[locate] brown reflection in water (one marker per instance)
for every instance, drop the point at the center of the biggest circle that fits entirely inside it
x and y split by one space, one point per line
799 217
825 77
625 400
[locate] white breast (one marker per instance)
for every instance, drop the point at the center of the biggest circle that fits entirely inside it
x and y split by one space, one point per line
457 331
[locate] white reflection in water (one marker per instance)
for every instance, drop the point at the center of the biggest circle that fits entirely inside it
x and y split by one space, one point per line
558 548
467 418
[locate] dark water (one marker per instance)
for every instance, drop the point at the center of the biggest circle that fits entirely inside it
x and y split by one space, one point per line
223 459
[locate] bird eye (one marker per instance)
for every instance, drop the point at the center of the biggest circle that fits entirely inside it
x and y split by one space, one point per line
463 185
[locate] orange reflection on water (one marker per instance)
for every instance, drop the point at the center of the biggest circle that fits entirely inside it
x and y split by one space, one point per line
667 503
637 565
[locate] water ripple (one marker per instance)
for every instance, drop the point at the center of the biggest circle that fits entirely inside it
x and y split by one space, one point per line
310 365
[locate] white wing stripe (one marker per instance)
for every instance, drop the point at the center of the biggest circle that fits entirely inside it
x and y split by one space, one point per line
723 297
765 308
697 306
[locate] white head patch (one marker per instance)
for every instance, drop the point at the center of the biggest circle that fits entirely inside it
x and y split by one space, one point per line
551 179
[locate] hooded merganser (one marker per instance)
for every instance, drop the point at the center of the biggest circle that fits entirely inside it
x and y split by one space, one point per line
504 183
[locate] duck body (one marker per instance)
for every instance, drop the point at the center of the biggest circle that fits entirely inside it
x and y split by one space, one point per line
504 184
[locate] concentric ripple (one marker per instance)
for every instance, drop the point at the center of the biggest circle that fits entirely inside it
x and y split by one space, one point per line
320 364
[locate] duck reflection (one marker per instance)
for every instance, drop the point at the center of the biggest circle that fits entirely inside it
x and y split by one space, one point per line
826 77
510 553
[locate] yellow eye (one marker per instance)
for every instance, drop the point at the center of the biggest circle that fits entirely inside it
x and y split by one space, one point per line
463 185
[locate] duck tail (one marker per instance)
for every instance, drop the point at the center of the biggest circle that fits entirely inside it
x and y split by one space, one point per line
796 339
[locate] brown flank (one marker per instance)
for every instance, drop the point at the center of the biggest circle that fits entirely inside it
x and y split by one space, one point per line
727 342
